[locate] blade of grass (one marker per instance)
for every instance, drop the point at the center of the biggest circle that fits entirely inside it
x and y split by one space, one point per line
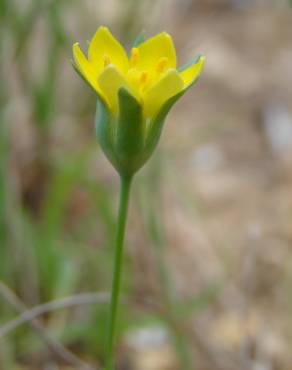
156 231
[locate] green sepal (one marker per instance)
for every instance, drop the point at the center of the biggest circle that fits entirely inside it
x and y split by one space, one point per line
104 127
139 39
121 137
156 125
190 63
129 139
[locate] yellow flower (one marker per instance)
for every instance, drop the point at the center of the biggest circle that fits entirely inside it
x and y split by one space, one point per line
134 93
149 74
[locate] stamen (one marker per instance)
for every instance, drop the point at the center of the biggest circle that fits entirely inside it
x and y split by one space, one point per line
161 65
134 55
143 78
106 60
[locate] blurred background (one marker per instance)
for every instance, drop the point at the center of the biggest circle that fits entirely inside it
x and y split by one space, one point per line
208 270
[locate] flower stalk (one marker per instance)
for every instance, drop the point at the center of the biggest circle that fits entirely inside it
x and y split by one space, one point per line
135 92
125 187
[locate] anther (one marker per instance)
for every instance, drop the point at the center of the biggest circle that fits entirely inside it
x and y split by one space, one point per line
143 78
161 65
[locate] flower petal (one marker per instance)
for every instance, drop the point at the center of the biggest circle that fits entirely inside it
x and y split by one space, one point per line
105 46
110 81
169 85
84 67
190 74
155 48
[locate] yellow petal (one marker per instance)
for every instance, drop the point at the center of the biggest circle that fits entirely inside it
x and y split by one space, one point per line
110 81
169 85
190 74
152 50
84 67
104 46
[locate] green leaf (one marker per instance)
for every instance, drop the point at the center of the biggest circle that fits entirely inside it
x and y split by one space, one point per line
3 202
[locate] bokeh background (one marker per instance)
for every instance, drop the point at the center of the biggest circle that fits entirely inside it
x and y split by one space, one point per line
208 269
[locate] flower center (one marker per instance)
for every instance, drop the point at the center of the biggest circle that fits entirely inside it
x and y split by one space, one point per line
138 80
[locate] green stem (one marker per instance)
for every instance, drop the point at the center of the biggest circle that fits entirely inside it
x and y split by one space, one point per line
125 186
